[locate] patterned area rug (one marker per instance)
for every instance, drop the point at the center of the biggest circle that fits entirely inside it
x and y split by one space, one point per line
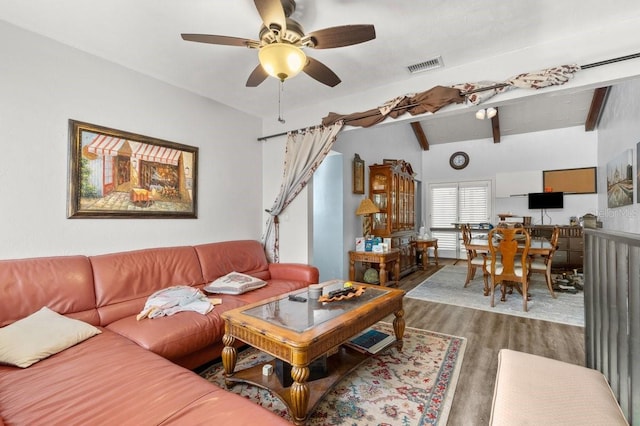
447 286
412 387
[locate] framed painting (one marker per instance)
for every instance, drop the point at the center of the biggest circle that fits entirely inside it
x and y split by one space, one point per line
358 175
638 172
118 174
620 180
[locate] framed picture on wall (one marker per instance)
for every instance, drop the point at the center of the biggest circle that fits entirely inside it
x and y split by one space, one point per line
358 175
118 174
620 180
637 172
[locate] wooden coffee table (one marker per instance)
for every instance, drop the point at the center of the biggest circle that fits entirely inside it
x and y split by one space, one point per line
300 332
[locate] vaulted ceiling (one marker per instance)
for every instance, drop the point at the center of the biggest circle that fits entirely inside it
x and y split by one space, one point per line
144 35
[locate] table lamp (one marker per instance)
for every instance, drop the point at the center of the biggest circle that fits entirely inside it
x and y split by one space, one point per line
365 209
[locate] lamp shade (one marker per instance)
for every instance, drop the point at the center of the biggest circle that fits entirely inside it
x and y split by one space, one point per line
282 60
367 207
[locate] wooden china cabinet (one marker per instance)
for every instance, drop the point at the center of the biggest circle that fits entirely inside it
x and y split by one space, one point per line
392 189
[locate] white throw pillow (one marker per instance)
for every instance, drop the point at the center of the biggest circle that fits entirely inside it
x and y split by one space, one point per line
40 335
234 283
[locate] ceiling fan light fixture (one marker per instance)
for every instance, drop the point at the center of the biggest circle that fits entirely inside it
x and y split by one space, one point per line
491 112
282 60
480 114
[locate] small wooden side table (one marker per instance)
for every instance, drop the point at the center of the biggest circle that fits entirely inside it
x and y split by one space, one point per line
423 246
382 259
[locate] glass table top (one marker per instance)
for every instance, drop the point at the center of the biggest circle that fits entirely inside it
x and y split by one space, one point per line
300 316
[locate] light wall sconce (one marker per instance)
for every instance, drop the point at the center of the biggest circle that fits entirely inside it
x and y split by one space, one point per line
488 113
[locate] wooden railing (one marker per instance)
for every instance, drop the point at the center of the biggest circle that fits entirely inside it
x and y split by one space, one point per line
612 313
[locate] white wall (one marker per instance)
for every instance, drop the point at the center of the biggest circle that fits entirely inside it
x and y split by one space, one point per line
44 84
328 218
296 219
373 145
619 130
547 150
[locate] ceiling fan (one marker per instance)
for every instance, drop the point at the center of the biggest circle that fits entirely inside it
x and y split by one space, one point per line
282 40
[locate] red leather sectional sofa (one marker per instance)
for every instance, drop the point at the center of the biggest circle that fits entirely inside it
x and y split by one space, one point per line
134 372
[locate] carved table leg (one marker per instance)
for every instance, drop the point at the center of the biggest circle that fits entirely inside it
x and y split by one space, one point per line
425 258
435 253
299 394
398 328
229 357
352 270
396 272
383 273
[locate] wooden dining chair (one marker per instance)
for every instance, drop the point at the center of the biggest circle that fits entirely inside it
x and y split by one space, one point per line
475 259
542 263
509 249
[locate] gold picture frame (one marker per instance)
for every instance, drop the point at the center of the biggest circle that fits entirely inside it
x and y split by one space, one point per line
358 175
118 174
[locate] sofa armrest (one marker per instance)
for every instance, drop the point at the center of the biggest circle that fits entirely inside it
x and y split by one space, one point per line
294 272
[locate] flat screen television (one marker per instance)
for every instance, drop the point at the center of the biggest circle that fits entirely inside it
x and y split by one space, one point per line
546 200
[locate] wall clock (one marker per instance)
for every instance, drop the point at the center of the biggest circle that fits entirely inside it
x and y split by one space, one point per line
459 160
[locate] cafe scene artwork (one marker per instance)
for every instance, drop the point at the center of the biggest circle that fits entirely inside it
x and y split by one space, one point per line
115 174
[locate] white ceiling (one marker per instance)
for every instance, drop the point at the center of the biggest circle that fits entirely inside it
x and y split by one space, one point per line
144 35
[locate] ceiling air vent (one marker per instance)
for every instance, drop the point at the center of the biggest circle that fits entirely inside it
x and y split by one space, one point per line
426 65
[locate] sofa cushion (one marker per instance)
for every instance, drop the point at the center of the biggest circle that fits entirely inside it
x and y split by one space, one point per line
234 283
40 335
104 380
246 256
124 280
63 283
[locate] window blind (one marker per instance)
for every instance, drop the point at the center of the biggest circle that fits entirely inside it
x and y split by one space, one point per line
457 202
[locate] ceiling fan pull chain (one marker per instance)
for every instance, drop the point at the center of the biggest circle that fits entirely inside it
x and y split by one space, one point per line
281 89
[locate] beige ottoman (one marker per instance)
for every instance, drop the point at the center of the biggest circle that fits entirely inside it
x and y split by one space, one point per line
533 390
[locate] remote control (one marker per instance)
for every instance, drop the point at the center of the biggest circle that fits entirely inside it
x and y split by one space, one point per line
297 298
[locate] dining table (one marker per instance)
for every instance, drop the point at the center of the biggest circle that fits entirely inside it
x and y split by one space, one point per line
540 246
537 246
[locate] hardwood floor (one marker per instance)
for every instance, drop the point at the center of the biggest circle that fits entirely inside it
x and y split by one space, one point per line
486 334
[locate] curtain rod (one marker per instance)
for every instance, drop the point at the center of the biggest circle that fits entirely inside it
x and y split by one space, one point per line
481 89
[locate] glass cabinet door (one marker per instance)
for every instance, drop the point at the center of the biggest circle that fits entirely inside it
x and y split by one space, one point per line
379 182
380 219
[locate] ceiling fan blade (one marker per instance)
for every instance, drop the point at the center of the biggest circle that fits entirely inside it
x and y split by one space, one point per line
319 71
258 75
217 39
272 12
345 35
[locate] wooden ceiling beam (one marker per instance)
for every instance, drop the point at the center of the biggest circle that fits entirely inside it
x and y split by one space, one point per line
597 107
419 132
495 126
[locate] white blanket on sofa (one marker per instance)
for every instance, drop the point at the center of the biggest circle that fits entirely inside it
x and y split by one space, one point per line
171 300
